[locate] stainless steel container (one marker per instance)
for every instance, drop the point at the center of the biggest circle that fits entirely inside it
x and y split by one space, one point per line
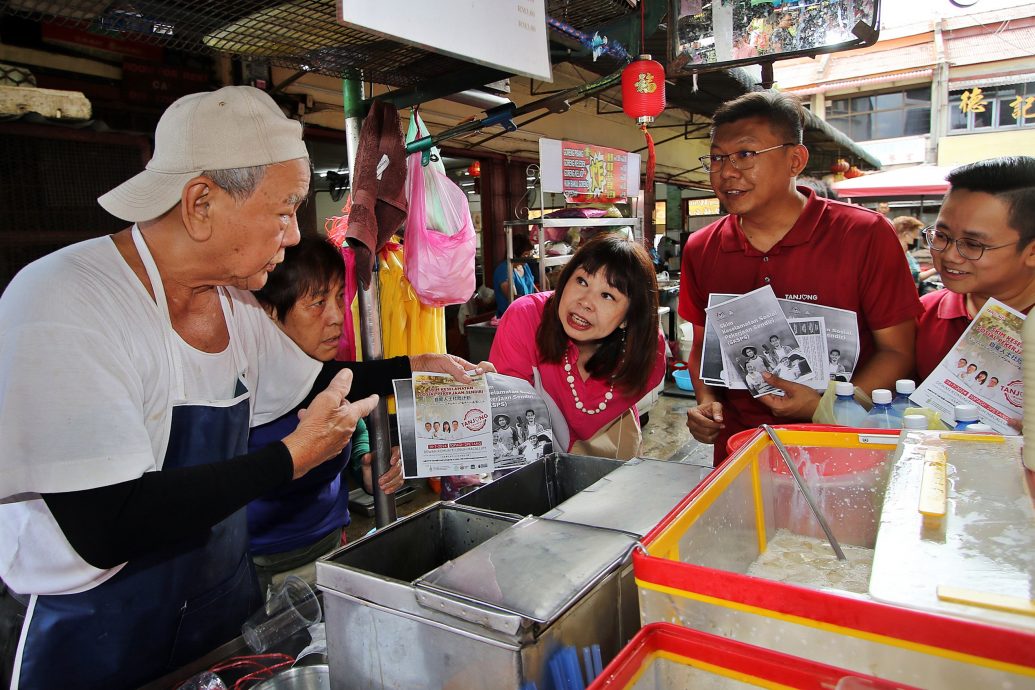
436 601
540 486
633 498
298 678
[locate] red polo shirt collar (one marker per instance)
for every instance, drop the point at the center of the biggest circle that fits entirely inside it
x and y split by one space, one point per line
732 238
953 306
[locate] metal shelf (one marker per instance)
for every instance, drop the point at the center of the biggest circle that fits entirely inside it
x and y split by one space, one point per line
555 260
635 222
574 222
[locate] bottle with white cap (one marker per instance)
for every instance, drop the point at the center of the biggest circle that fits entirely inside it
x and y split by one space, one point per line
914 421
847 410
903 389
979 428
881 416
965 415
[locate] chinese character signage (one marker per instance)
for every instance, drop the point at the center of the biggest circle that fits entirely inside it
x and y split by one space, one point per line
973 101
593 173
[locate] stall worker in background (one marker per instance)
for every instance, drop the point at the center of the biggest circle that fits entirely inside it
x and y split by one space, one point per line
292 526
983 246
132 367
908 229
592 348
807 248
524 281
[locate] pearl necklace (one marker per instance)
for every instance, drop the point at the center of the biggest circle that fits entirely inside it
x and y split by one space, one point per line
578 403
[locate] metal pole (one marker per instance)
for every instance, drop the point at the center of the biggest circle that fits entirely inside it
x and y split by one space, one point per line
806 491
369 319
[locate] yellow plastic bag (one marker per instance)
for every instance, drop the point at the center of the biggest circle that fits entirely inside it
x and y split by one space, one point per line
825 410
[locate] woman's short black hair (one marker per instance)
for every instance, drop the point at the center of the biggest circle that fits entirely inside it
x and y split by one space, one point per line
308 268
521 244
1012 179
627 267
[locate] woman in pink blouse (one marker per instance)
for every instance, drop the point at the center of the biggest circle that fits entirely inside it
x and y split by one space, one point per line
592 348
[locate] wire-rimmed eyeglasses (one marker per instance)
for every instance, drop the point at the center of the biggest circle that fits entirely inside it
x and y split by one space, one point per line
969 249
741 160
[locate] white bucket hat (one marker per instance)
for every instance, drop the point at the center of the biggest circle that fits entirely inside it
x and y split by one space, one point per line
234 127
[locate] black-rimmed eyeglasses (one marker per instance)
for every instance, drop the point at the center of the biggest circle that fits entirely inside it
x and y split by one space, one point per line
741 160
969 249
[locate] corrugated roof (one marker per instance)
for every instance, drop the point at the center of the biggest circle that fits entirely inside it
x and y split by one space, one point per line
855 64
975 48
988 18
916 74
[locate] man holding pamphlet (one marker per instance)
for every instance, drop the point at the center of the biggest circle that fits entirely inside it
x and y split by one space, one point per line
808 249
983 245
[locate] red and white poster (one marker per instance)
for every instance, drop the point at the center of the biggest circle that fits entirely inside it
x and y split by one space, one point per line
593 173
588 173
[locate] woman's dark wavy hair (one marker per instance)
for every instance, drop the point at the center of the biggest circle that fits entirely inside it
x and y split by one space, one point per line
308 267
628 268
1011 179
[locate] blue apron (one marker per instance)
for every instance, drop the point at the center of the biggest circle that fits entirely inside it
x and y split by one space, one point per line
171 606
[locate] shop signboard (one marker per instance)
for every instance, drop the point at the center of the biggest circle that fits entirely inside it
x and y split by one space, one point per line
507 34
587 172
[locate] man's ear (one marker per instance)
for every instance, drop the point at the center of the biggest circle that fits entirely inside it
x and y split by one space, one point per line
1028 254
196 206
799 159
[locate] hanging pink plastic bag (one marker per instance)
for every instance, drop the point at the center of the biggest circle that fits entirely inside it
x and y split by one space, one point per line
439 247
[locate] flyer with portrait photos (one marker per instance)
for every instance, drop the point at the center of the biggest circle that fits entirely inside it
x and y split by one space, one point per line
982 369
450 428
828 336
756 338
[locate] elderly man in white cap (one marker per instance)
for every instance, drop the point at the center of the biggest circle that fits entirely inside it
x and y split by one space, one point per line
131 368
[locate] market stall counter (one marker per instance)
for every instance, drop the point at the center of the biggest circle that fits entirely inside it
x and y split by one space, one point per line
437 600
472 594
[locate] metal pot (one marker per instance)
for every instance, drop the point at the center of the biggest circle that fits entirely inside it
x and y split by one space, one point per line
316 677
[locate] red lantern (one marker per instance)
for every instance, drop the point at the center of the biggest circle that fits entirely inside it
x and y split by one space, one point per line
475 169
643 89
840 167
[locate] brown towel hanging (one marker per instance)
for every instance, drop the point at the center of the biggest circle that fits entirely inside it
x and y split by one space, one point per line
378 187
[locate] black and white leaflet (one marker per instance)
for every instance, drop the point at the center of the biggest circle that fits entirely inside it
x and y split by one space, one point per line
753 333
829 355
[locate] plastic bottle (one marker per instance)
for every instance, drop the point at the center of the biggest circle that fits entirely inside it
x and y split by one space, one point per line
913 421
979 428
847 411
881 416
965 415
903 389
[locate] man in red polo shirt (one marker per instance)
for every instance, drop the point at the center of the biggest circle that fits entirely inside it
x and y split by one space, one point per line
807 248
983 245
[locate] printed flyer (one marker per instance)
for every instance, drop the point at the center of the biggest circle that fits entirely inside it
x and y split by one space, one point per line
753 335
983 369
828 336
449 428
